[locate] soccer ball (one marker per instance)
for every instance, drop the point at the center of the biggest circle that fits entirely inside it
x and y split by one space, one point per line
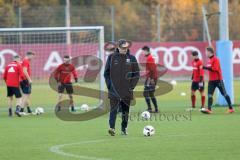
146 115
183 94
84 107
39 110
173 82
148 131
202 110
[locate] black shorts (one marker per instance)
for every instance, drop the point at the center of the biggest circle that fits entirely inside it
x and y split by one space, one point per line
67 86
26 87
14 91
212 85
195 86
149 90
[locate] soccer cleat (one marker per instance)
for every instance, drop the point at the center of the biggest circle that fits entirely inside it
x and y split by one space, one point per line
29 110
18 113
124 133
21 109
111 131
230 111
206 111
73 109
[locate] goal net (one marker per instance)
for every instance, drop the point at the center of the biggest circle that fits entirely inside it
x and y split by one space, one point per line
50 45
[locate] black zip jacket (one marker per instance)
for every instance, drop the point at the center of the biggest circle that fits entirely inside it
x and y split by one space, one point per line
121 75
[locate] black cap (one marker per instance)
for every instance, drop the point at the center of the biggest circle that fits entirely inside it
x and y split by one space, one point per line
123 43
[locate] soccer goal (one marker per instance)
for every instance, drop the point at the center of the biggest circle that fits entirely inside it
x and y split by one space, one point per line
50 45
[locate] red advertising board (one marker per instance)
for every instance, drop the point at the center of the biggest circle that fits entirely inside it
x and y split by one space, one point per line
173 55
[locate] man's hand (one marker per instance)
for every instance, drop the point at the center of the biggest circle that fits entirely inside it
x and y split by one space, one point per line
30 81
76 80
27 75
152 82
59 84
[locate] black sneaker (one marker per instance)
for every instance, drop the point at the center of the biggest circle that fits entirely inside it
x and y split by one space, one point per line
149 110
111 131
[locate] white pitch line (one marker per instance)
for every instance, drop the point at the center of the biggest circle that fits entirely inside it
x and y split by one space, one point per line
57 149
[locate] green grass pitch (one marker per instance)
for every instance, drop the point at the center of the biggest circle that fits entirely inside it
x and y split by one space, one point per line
44 137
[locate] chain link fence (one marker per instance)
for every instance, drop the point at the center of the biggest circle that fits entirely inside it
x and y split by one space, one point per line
140 23
155 23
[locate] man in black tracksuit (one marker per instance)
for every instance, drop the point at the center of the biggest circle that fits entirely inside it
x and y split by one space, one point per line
121 76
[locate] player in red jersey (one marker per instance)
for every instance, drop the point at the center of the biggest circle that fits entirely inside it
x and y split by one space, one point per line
151 80
197 79
63 76
26 82
110 47
12 74
215 81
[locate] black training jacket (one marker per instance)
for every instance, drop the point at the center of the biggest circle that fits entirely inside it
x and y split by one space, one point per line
121 75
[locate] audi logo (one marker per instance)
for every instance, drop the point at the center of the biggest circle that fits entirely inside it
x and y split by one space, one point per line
2 58
174 58
236 56
169 58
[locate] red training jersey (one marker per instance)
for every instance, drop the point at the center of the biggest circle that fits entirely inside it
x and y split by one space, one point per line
151 68
197 70
12 74
64 73
26 63
215 73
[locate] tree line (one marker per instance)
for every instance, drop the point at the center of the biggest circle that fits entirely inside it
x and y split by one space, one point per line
138 20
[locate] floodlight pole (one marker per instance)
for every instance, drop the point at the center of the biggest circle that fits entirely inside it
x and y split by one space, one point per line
158 24
223 20
205 23
68 24
113 22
